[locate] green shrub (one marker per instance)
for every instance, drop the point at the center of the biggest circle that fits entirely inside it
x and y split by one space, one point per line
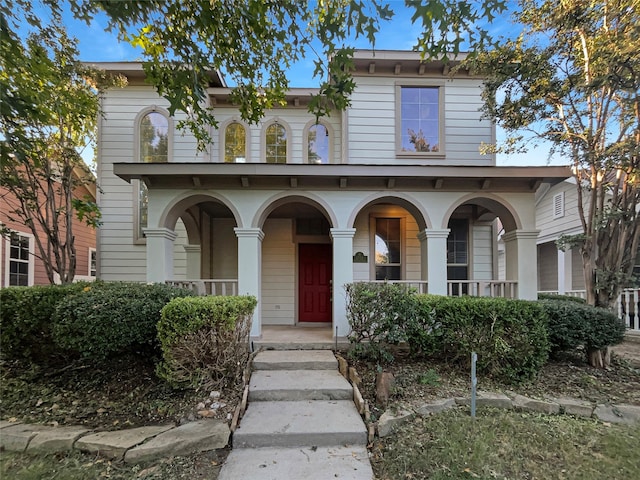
377 314
26 317
561 298
573 325
509 336
112 318
205 340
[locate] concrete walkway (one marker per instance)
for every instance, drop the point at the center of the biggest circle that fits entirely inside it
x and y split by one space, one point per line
301 422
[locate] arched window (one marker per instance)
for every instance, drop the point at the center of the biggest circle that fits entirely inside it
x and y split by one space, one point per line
154 138
235 143
276 143
318 144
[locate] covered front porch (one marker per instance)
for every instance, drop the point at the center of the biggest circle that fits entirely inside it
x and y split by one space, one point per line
294 235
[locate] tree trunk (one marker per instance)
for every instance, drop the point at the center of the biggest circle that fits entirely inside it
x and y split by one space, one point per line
599 357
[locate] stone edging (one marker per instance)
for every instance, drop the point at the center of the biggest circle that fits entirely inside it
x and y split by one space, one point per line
390 419
625 414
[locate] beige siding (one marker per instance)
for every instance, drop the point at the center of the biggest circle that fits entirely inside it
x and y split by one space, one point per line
577 272
224 249
278 273
179 253
372 119
550 227
482 252
548 266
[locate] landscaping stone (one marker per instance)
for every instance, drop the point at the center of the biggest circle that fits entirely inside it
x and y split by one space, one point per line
573 406
115 444
343 366
55 439
613 414
358 400
354 377
436 407
487 399
5 424
17 437
187 439
631 412
385 383
389 421
521 402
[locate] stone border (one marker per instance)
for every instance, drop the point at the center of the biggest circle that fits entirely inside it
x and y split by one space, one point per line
623 414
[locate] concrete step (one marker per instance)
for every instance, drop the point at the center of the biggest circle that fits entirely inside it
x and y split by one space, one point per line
269 385
295 360
309 423
321 463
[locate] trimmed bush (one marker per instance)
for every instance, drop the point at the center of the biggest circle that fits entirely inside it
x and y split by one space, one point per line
107 319
573 325
377 314
26 317
205 340
509 336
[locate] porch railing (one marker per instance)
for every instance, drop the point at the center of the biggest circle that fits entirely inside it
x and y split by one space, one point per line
627 305
208 286
419 285
483 288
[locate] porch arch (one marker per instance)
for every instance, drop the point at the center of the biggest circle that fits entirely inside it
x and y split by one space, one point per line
503 209
405 201
284 198
182 203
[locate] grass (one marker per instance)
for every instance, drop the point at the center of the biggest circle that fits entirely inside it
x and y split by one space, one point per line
502 444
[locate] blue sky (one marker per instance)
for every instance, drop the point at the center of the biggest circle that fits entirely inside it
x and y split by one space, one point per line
98 45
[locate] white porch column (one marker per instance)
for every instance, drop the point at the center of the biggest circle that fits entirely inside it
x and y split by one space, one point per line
193 261
433 248
521 261
159 254
342 274
564 272
250 269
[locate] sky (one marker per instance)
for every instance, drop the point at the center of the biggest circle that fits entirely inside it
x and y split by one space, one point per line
96 44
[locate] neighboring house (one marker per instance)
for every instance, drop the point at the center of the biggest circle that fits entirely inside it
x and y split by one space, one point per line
19 255
290 210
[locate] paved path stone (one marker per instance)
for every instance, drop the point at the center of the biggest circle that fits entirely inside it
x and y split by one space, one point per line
436 407
16 438
194 437
613 414
115 444
295 360
299 385
573 406
56 439
321 463
391 420
488 399
5 424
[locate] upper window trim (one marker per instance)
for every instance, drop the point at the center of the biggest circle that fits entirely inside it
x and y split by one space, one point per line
136 131
263 138
305 139
222 138
31 261
432 83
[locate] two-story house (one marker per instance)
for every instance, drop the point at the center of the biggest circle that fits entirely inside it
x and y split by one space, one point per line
394 188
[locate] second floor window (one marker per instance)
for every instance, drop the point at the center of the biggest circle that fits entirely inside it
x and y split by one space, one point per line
419 120
276 143
235 143
154 138
318 144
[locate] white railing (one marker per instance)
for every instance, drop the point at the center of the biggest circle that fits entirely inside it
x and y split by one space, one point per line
208 286
420 286
628 308
568 293
483 288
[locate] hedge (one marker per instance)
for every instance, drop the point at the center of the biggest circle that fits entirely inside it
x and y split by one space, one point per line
205 340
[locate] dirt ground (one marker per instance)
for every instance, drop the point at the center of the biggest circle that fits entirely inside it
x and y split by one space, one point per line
629 350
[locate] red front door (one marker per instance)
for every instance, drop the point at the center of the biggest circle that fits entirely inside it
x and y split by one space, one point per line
314 280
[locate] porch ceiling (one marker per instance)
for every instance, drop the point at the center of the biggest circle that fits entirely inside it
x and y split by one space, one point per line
327 177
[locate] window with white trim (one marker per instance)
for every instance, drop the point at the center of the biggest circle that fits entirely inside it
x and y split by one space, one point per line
235 143
318 144
154 131
275 143
558 205
19 268
387 245
93 258
420 120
